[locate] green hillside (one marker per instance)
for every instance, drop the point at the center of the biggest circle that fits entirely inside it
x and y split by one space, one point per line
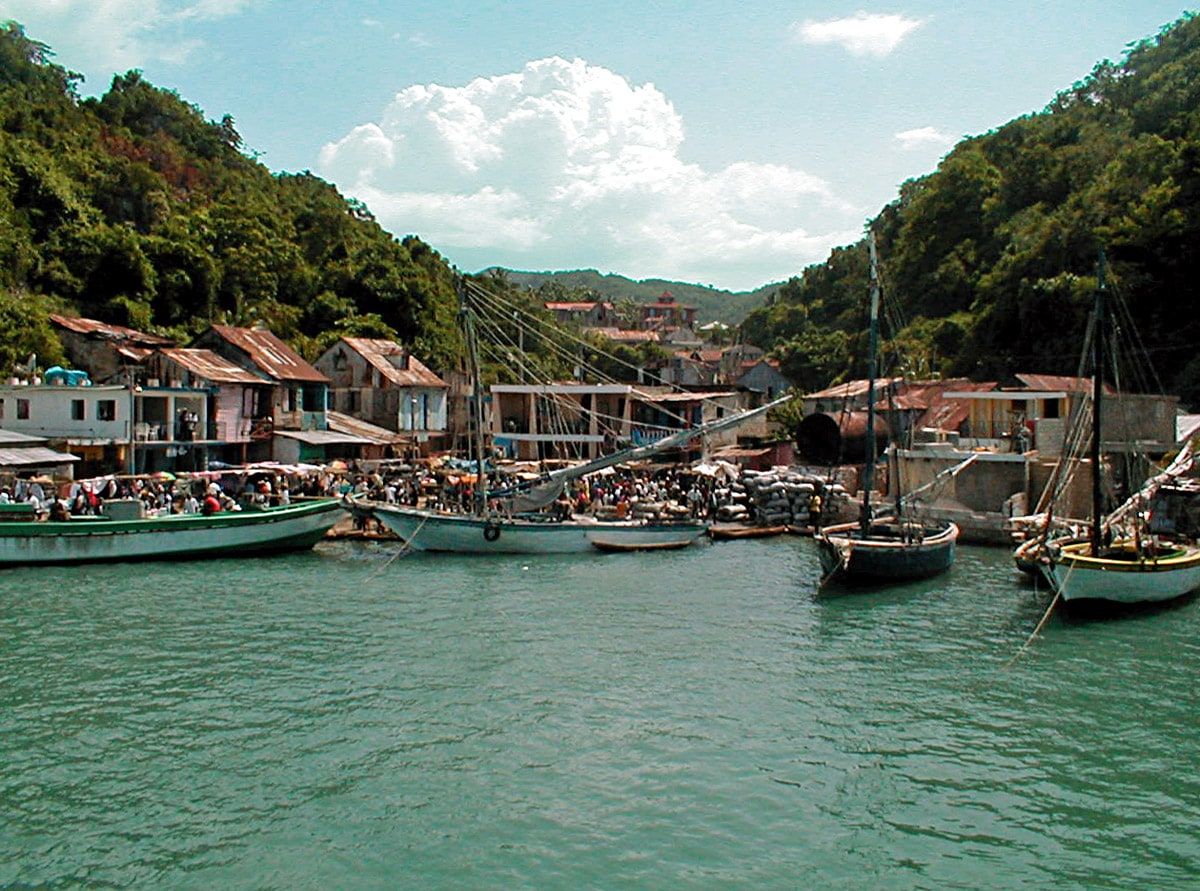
134 209
989 263
712 304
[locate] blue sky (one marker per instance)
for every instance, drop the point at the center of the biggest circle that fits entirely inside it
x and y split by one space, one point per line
713 142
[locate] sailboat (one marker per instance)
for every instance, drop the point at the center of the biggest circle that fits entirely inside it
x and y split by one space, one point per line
892 548
1120 560
510 520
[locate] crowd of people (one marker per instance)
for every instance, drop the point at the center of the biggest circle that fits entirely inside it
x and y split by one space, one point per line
617 492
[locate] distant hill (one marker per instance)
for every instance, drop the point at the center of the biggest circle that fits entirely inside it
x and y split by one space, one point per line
712 304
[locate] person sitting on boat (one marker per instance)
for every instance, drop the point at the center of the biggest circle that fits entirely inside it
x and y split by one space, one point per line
58 511
211 505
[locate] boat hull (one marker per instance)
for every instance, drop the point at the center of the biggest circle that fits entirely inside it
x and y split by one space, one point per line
227 534
1129 577
434 531
845 554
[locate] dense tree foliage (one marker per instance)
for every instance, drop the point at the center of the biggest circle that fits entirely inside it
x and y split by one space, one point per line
989 263
134 209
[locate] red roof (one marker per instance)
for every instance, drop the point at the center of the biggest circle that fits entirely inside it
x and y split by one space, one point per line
105 331
270 354
212 367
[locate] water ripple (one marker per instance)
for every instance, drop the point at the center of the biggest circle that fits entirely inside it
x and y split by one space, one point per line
654 721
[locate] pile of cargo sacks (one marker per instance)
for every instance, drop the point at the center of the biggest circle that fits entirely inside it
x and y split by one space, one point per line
780 497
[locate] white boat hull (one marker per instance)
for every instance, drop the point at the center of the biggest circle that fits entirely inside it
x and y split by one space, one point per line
227 534
1076 575
435 531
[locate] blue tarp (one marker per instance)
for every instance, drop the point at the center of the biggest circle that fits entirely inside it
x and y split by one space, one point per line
56 374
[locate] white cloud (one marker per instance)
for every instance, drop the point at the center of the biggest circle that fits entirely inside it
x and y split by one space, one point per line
103 37
567 165
864 34
923 136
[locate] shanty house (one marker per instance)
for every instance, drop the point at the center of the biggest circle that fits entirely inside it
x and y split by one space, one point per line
381 382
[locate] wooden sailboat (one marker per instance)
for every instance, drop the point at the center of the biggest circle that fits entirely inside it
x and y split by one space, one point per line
1120 561
891 548
517 528
292 527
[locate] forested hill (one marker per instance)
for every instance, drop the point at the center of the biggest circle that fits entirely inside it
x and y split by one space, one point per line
133 209
712 304
989 263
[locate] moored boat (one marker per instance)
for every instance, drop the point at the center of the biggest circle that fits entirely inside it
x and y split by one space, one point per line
882 550
427 530
1124 572
889 551
291 527
730 531
1121 560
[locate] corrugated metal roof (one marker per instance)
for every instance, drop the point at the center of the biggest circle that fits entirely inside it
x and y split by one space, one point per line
945 413
37 456
395 363
352 426
647 395
274 357
1058 382
105 331
571 307
12 437
211 366
851 389
323 437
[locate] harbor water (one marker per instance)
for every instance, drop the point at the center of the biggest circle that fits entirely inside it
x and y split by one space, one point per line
689 719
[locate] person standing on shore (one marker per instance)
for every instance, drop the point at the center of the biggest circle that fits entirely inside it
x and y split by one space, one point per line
815 507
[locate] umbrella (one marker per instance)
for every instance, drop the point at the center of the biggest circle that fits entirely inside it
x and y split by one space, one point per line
162 475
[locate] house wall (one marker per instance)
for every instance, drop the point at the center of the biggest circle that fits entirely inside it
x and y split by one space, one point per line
103 363
52 408
358 389
764 378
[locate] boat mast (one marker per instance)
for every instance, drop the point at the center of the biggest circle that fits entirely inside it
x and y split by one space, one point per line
466 319
1098 370
868 480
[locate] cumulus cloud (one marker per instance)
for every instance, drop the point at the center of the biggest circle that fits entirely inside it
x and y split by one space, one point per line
923 136
108 36
565 164
863 34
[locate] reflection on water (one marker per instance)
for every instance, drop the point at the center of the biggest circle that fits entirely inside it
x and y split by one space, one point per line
703 718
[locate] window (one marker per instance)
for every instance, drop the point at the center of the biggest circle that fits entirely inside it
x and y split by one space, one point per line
1 409
106 410
353 401
22 409
77 410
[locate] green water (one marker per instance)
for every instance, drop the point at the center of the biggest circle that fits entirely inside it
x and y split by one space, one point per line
671 720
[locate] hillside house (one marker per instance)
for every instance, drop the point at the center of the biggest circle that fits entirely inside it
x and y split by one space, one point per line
665 313
384 384
295 428
764 379
105 351
587 315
